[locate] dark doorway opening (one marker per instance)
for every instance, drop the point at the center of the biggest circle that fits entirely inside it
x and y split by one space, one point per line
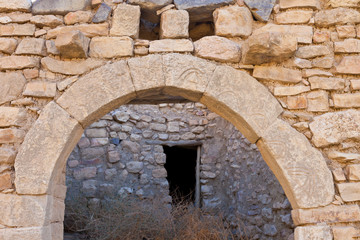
181 170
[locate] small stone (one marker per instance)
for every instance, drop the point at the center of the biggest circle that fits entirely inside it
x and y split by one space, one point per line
12 85
131 146
318 101
277 74
72 44
353 172
102 13
121 117
285 4
312 51
302 63
331 83
339 175
9 135
46 21
5 181
89 30
289 91
40 33
77 17
323 62
23 102
347 46
32 46
141 51
355 84
126 21
294 17
321 36
158 127
347 31
134 167
7 155
347 100
270 230
174 24
96 133
114 157
85 173
316 72
40 89
344 233
15 5
17 30
70 68
349 192
18 62
111 47
11 116
296 102
171 45
8 45
51 48
337 16
261 9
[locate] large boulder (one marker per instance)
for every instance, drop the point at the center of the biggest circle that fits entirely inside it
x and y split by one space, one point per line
59 7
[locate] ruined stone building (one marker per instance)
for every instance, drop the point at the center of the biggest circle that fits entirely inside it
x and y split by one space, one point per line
284 73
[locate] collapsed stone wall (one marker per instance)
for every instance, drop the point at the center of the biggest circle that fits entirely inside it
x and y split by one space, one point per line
122 154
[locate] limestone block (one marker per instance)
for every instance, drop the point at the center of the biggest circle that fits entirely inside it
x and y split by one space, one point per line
11 116
336 127
126 21
349 192
147 74
70 67
355 84
111 47
301 169
303 34
12 85
77 17
59 7
343 157
328 214
323 62
134 167
339 175
268 47
318 101
285 4
16 17
186 76
312 51
46 21
6 181
171 45
296 16
17 30
8 45
45 149
73 44
289 91
7 155
344 3
347 100
102 13
296 102
32 46
353 172
261 9
111 86
344 233
331 83
322 232
15 5
337 16
30 233
199 10
89 30
233 21
11 135
242 100
218 49
18 62
149 8
51 48
316 72
174 24
347 46
349 65
277 74
347 31
321 36
40 89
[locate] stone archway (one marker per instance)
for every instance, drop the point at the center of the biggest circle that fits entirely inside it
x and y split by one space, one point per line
233 94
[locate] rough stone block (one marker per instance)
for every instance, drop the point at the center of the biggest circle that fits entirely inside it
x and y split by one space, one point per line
12 85
134 167
285 4
289 91
159 173
73 44
174 24
318 101
349 65
11 135
7 155
11 116
46 21
337 16
347 31
343 157
218 49
15 5
111 47
355 84
233 21
347 46
102 13
89 30
32 46
5 181
126 21
343 3
344 233
18 62
294 17
277 74
296 102
51 48
312 51
40 89
323 62
349 192
59 7
261 9
171 45
70 68
322 232
327 83
17 30
339 175
78 17
347 100
353 172
8 45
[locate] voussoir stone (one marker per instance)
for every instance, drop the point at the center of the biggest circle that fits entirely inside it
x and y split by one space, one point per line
337 16
277 74
70 67
89 30
15 5
268 47
171 45
7 155
77 17
336 127
300 168
111 47
102 13
126 21
33 46
261 9
73 44
218 49
59 7
110 86
12 85
11 116
134 167
18 62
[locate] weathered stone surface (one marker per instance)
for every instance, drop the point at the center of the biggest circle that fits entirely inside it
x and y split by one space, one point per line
327 83
111 47
336 127
174 24
344 233
316 72
302 63
85 173
318 101
51 48
45 150
293 160
323 62
284 4
322 232
347 46
17 30
7 155
134 167
353 171
15 5
77 17
233 21
8 45
344 3
347 100
126 21
296 16
355 84
288 91
11 116
339 175
102 13
321 36
18 62
40 89
46 21
349 65
328 214
73 44
218 49
343 157
261 9
171 45
32 46
349 192
70 68
15 17
268 47
11 135
159 173
277 74
149 8
347 31
30 233
89 30
312 51
59 7
200 10
12 85
5 181
326 18
296 102
112 87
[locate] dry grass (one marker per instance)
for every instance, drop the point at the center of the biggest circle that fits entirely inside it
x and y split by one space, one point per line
131 219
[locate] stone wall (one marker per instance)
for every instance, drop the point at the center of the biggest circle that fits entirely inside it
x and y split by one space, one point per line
122 154
303 55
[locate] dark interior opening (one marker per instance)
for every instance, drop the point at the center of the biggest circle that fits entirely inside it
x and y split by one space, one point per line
181 170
